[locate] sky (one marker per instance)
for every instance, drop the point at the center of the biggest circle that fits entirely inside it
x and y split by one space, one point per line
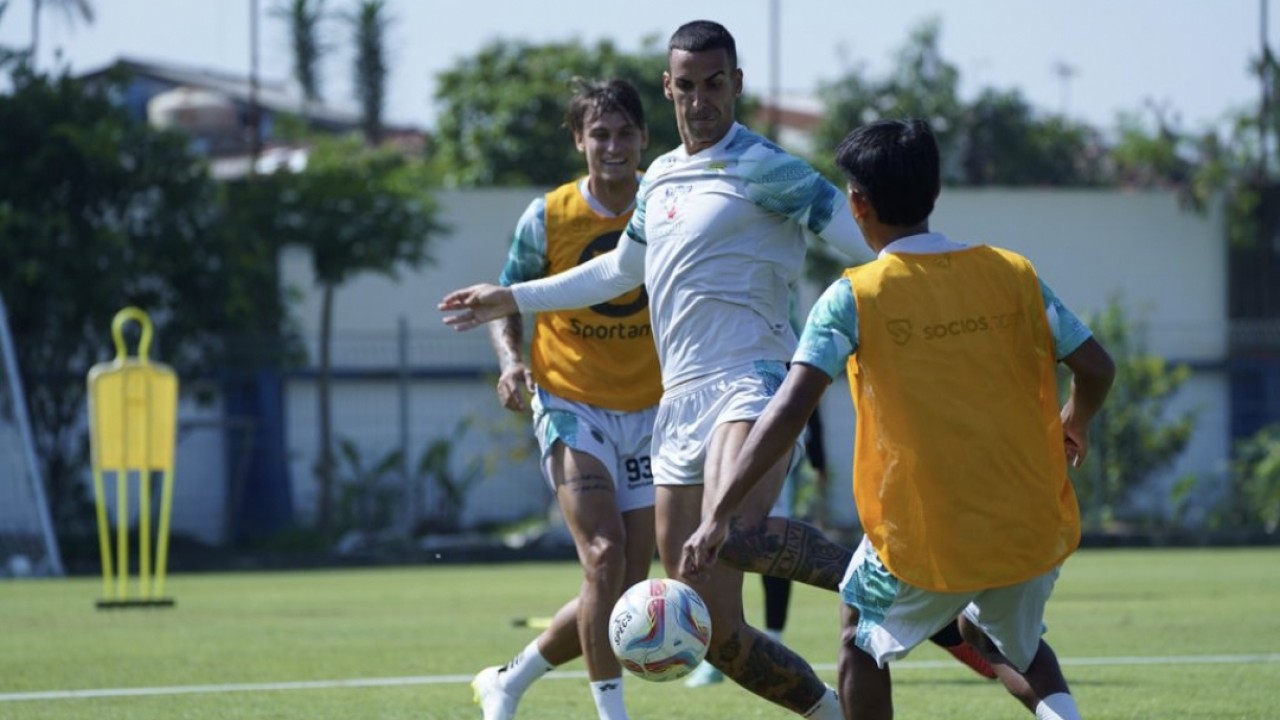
1189 58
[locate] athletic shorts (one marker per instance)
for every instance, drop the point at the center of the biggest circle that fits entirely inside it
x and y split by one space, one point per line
894 617
619 440
689 413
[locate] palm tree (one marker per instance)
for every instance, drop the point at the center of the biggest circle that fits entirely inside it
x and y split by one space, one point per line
72 9
304 18
369 25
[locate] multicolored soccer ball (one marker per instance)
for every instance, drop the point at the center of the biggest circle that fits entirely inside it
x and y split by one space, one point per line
659 629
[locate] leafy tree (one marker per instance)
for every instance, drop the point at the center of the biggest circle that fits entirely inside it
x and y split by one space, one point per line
997 140
1253 500
369 27
1005 143
97 212
922 84
503 109
304 18
7 54
1133 436
72 8
358 210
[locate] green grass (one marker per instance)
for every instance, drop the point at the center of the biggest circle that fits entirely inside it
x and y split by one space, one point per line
452 620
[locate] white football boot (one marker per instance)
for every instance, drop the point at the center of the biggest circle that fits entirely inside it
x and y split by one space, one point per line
494 700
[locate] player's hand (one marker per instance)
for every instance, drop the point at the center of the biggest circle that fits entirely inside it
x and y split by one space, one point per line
477 304
509 386
701 549
1076 440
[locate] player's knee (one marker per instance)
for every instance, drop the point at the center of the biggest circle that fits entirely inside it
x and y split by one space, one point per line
604 557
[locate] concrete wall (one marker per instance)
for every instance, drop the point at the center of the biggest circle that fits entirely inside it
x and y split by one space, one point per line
1166 265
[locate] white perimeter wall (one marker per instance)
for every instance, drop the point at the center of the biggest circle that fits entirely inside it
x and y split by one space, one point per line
1166 265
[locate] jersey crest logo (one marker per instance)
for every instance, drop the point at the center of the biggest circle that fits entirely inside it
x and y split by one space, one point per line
899 330
671 198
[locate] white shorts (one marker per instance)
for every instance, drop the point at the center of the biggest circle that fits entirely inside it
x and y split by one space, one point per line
894 617
619 440
689 414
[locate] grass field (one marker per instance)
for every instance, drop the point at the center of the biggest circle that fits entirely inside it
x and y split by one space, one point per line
1142 634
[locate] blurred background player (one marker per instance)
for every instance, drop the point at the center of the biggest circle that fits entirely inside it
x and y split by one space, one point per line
961 449
595 383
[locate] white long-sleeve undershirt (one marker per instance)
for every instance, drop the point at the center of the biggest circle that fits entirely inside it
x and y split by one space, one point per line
602 278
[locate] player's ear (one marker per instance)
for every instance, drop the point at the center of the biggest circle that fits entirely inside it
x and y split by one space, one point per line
737 82
666 84
579 141
859 203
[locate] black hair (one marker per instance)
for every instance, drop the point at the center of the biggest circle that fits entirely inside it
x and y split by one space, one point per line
594 97
704 35
895 164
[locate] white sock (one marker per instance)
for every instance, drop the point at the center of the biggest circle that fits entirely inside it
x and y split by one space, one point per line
1058 706
828 708
775 635
608 697
517 675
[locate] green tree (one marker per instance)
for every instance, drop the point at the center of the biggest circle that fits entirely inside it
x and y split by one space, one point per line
1134 435
502 109
304 18
7 54
1253 497
1005 143
921 84
996 140
369 30
358 210
71 8
97 212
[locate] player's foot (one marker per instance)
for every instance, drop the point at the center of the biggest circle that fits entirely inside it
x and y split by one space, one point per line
703 675
965 653
494 701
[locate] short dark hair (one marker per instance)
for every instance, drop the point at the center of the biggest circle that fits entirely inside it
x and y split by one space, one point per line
594 97
704 35
895 164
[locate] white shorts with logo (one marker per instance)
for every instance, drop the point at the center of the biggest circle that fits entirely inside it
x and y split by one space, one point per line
690 413
894 617
621 441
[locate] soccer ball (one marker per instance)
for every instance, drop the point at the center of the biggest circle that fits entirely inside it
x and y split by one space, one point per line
659 629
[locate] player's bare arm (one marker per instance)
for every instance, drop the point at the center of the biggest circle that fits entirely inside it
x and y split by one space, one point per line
507 336
1092 372
773 435
477 305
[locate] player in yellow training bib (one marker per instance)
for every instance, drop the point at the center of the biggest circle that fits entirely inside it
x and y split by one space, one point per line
594 380
960 451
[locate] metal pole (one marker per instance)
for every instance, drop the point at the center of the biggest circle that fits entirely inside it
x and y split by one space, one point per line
410 487
255 113
775 62
1264 74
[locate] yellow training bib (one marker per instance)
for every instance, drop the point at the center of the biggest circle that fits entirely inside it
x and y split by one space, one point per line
959 467
602 355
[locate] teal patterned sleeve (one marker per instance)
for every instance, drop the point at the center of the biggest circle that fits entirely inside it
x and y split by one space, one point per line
1069 332
783 183
527 259
831 334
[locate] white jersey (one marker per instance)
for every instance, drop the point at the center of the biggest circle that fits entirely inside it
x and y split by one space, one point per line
725 231
718 238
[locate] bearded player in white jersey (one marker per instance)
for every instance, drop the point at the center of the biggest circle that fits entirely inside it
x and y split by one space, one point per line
718 238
